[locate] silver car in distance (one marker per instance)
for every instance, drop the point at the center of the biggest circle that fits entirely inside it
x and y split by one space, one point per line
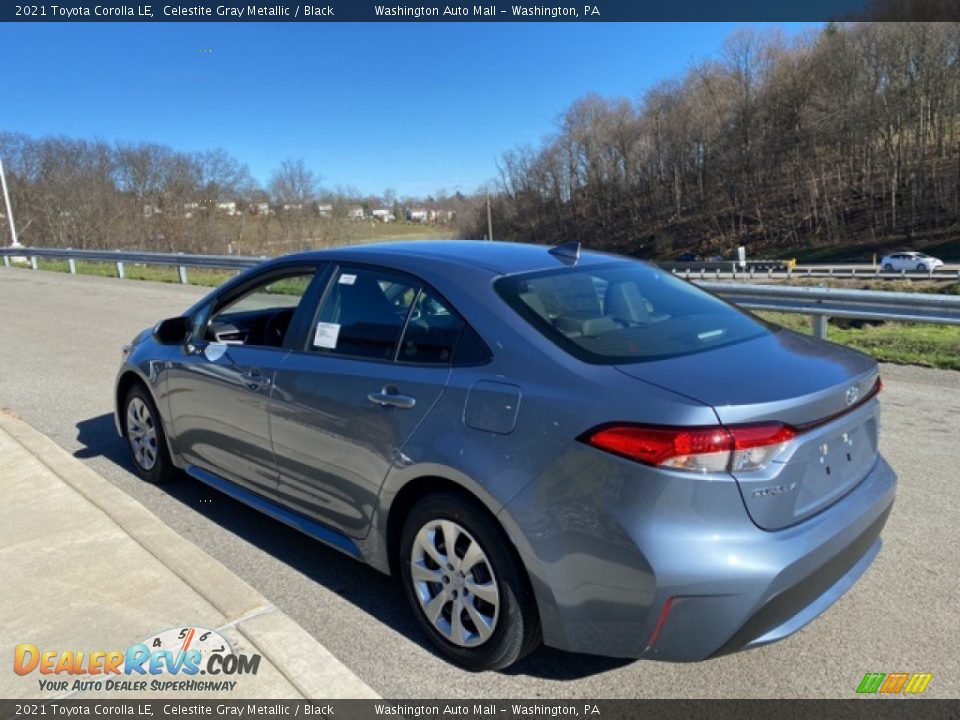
543 445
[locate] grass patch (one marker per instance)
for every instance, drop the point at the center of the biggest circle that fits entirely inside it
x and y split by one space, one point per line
936 346
154 273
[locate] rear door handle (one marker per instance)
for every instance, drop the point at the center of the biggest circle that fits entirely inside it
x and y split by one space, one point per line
390 397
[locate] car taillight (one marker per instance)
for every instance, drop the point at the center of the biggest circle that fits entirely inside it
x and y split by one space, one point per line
755 446
738 448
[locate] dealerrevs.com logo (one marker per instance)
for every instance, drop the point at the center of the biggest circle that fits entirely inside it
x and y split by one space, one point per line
169 661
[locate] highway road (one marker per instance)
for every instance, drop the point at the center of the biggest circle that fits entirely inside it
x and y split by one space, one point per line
59 349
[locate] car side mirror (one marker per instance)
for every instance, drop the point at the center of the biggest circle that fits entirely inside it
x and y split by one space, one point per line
172 331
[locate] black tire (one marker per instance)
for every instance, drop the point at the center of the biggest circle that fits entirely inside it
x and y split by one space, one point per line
517 629
161 470
921 267
888 267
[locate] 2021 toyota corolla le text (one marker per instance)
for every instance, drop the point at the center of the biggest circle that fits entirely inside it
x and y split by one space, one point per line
543 445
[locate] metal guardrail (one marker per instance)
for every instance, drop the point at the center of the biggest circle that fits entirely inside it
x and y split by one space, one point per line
840 273
181 261
822 303
818 302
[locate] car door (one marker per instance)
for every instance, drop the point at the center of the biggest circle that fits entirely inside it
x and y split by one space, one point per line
377 358
219 390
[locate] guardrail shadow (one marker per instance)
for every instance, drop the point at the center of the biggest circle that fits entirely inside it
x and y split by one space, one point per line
376 594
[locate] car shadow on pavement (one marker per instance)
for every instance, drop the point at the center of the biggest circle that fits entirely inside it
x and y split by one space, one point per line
376 594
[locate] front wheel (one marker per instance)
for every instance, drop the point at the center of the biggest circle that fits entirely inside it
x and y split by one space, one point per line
888 267
146 441
922 268
465 584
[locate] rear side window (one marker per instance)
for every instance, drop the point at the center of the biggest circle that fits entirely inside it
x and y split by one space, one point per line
364 313
625 312
376 314
432 332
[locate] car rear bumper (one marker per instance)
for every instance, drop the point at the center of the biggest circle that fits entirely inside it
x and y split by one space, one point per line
608 544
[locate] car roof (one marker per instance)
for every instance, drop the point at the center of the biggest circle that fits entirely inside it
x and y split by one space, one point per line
497 257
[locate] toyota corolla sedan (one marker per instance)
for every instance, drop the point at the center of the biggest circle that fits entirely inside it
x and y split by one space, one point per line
543 445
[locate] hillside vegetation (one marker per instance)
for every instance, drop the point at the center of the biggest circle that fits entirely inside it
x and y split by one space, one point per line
833 145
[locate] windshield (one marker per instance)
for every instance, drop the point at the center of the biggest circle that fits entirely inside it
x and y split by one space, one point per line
625 312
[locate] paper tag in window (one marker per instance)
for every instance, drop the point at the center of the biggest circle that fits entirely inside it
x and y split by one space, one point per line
347 279
326 335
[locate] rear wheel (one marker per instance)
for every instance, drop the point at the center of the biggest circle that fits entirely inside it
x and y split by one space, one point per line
465 584
146 441
888 267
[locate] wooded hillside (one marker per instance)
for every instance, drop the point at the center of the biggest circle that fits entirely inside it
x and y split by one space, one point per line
839 143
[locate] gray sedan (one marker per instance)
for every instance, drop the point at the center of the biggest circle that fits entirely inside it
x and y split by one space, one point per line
543 445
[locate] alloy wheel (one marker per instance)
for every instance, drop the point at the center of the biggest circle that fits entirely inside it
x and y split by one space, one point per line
142 433
454 583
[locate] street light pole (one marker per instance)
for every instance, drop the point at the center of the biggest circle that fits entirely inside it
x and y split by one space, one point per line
6 199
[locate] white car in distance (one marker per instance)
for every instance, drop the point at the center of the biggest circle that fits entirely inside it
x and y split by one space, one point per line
910 261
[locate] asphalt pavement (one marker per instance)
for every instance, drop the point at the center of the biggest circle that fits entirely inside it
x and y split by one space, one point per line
60 339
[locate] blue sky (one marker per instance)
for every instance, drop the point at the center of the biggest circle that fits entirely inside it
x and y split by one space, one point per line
413 107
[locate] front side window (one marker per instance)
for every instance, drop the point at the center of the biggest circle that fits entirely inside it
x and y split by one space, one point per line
625 312
261 315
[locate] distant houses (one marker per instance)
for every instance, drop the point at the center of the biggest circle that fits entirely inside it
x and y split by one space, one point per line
232 208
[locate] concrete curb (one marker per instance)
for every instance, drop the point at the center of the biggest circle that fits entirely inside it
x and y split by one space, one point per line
303 661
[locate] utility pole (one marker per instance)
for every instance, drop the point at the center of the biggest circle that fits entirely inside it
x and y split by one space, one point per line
489 220
6 199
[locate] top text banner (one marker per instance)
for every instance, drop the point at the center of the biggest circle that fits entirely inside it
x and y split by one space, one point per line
601 11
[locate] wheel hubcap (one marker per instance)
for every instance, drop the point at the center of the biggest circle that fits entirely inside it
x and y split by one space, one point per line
142 433
454 583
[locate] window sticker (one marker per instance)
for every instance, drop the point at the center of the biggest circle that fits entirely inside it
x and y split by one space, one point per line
347 279
326 335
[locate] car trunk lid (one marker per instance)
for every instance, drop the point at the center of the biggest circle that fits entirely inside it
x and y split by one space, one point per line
822 390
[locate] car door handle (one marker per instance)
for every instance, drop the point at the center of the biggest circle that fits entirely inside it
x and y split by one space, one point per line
253 379
389 397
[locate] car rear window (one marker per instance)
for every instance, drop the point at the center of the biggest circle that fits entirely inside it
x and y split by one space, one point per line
625 312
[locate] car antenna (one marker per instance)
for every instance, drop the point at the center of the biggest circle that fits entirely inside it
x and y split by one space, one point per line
567 251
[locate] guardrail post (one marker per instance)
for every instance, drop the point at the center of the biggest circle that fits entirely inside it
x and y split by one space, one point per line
33 262
120 269
819 326
72 264
182 272
6 261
